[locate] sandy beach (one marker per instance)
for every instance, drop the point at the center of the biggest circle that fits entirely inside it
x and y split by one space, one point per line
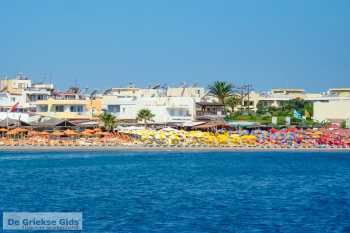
142 148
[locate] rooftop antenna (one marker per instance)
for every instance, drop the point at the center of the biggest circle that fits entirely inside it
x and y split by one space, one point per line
43 79
183 88
131 85
93 94
156 86
86 89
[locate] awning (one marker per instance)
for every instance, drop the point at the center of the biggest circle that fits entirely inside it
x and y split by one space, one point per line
211 125
192 123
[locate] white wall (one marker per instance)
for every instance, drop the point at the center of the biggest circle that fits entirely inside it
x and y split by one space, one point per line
161 107
15 115
332 110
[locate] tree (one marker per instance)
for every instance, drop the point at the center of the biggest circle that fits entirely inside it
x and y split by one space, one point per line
221 90
298 105
343 125
108 120
274 111
144 115
232 102
262 108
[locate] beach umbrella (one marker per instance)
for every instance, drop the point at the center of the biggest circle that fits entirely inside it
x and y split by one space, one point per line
88 132
70 133
44 134
12 132
100 133
57 133
20 130
32 133
3 131
98 130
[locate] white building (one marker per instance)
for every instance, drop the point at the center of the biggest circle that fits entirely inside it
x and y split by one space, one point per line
22 93
334 110
168 105
169 109
194 92
8 101
276 97
165 109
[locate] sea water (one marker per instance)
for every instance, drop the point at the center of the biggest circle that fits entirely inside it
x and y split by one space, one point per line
183 192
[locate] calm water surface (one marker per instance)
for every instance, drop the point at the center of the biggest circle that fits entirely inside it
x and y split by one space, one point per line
183 192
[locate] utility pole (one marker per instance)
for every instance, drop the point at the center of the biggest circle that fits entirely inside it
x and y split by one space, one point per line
242 97
249 89
244 91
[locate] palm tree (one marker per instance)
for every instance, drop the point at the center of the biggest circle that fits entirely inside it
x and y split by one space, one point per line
232 102
144 115
108 120
221 90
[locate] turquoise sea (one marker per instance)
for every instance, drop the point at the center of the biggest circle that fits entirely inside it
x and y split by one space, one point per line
183 192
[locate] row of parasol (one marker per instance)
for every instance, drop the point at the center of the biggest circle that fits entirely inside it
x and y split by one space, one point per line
56 133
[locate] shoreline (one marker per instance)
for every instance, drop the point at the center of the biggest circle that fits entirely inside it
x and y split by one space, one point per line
141 148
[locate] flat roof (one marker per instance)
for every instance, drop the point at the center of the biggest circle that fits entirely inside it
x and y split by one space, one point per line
340 89
288 89
209 104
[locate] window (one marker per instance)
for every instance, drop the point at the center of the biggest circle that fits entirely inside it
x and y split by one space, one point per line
42 97
178 112
250 103
76 108
59 108
69 97
113 108
42 108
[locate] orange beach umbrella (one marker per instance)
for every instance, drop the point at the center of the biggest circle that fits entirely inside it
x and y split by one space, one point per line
88 132
70 133
57 133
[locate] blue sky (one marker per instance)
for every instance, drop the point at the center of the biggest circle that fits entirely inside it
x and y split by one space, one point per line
101 44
